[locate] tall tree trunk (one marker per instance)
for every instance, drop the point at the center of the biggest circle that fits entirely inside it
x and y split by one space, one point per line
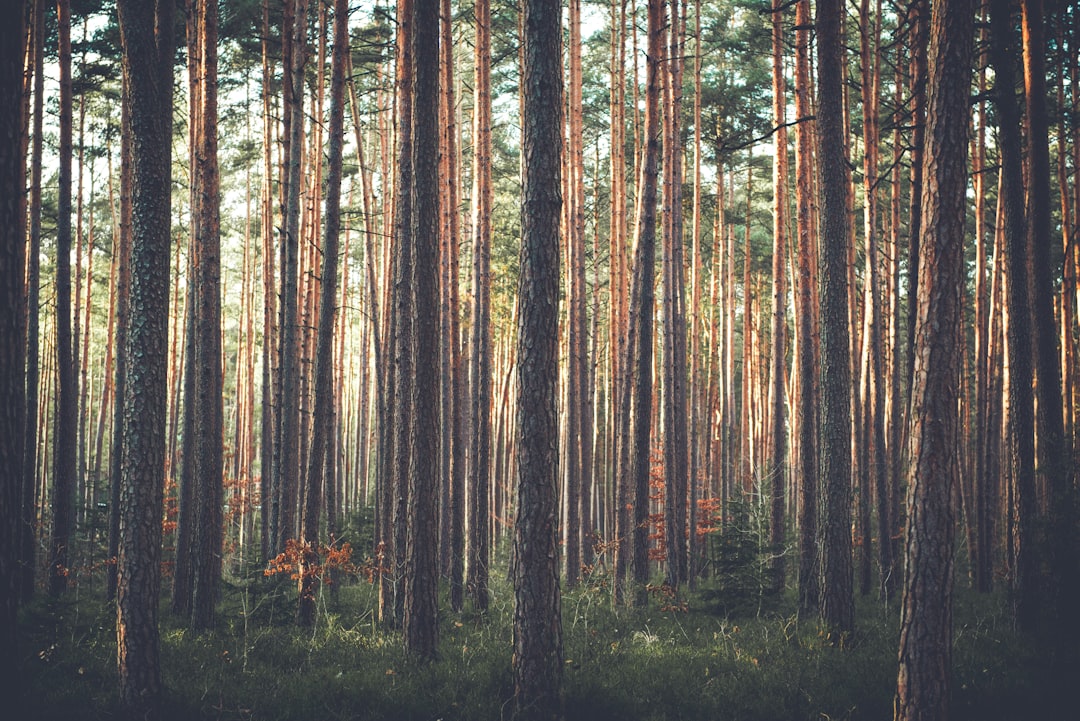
837 601
635 399
577 339
926 614
676 448
480 367
65 417
146 34
320 459
537 660
1021 417
27 531
778 362
1054 454
207 404
288 469
12 339
807 461
457 372
421 569
268 540
402 313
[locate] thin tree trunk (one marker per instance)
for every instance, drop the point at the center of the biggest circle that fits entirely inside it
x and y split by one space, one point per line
480 359
778 361
65 419
807 460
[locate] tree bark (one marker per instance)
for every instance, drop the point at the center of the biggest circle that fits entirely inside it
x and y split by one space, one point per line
421 569
537 660
926 613
480 369
146 34
320 458
807 460
837 600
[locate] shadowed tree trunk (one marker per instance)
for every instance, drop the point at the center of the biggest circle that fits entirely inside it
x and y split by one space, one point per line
146 34
926 613
66 414
837 599
12 339
421 565
538 630
537 660
1021 414
27 531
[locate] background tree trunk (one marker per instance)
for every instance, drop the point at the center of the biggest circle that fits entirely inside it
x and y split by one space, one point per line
65 441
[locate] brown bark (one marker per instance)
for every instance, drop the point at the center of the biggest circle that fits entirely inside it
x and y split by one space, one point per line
926 614
480 359
320 459
537 659
207 404
27 531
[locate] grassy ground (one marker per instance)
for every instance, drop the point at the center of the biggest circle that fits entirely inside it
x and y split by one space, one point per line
724 657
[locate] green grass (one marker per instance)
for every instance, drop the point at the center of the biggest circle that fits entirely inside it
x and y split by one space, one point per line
620 664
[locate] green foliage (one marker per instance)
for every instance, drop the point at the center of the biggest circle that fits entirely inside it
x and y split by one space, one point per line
620 663
739 560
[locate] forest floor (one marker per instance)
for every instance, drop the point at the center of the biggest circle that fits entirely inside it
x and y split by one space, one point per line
715 654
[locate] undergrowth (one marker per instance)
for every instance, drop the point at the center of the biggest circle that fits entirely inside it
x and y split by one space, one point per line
698 661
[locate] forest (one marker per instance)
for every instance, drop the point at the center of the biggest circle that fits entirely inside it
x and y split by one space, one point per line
539 359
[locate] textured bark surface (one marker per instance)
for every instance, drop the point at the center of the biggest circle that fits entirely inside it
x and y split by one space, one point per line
208 404
837 599
146 32
421 565
926 613
537 659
